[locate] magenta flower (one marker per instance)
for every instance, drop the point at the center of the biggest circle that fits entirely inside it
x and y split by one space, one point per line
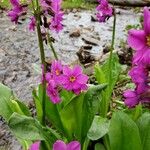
52 92
104 10
60 145
139 40
56 21
140 95
56 71
32 24
73 79
139 74
16 11
131 98
35 146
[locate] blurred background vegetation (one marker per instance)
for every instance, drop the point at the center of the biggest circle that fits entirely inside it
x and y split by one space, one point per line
66 4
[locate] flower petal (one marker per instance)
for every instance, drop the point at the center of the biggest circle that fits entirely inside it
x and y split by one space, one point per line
59 145
131 98
147 20
67 71
137 39
77 70
35 146
74 145
82 79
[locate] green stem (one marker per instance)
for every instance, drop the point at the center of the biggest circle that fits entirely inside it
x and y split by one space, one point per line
42 55
108 97
110 67
51 46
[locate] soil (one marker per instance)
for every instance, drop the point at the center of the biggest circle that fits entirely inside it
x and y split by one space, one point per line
19 51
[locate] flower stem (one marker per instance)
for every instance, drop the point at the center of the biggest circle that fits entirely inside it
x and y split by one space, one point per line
108 97
51 46
42 55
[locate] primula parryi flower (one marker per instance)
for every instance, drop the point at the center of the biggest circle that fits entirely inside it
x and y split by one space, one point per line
52 92
139 40
131 98
32 24
73 79
35 146
56 21
56 70
16 11
104 10
60 145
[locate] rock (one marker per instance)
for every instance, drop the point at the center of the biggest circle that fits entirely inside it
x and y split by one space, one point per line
90 40
75 33
93 18
84 55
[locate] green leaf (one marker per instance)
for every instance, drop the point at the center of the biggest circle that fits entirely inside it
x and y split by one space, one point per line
71 116
27 128
144 128
9 104
99 74
99 128
51 110
38 105
124 133
24 127
99 146
90 108
5 104
20 108
106 95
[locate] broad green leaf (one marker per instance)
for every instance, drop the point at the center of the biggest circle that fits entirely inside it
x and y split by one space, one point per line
9 104
90 108
144 128
20 108
124 133
99 128
5 104
27 128
24 127
51 110
71 116
99 146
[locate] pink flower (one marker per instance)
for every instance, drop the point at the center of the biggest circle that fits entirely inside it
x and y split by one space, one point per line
56 71
32 24
60 145
35 146
52 92
104 10
140 41
140 95
16 11
131 98
73 79
139 74
56 21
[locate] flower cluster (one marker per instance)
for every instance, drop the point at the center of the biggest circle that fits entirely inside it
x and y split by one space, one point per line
59 145
17 10
139 40
50 12
71 79
104 10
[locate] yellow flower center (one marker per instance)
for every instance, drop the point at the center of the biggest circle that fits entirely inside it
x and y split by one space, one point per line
148 40
72 79
57 72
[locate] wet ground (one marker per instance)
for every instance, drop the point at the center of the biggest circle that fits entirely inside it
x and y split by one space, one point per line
19 51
